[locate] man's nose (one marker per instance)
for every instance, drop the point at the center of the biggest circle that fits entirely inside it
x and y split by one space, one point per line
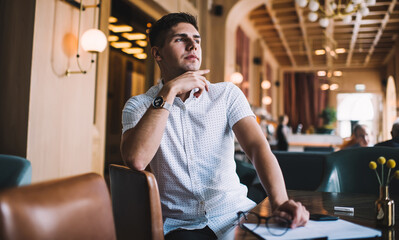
192 44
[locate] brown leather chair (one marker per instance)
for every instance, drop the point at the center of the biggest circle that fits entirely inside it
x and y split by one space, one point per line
77 207
136 204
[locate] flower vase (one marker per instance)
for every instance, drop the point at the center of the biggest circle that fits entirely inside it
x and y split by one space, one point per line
385 208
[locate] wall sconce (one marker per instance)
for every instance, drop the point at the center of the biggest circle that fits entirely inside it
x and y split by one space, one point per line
236 78
92 41
265 84
266 100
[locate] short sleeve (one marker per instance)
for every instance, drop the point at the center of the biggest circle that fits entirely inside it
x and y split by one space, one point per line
133 111
237 105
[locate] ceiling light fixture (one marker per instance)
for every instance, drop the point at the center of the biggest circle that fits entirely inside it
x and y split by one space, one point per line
134 50
134 36
142 43
337 73
320 52
141 55
112 19
120 28
333 10
324 86
113 38
121 44
334 86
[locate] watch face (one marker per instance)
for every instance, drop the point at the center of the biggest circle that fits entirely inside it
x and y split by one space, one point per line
158 102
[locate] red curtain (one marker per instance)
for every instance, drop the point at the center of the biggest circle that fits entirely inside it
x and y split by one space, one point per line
269 92
303 99
242 58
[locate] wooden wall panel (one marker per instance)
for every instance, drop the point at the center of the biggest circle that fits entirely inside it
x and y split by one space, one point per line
16 35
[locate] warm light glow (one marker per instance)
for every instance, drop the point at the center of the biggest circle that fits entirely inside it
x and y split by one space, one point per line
320 52
134 36
141 55
329 74
266 100
324 86
120 28
112 19
334 86
236 78
142 43
321 73
149 25
113 38
93 40
132 50
337 73
266 84
324 22
121 44
340 50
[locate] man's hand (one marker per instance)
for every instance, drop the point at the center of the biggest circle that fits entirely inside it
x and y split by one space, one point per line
189 81
293 211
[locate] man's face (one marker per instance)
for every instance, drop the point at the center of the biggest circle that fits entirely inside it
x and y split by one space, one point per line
362 137
181 51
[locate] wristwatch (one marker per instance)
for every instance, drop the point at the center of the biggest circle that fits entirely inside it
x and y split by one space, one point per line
159 102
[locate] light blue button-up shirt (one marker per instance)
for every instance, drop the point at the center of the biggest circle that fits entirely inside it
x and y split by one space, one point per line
194 165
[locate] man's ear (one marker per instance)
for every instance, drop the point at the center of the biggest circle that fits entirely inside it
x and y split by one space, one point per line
155 51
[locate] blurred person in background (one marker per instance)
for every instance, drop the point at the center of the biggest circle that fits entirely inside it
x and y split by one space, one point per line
394 142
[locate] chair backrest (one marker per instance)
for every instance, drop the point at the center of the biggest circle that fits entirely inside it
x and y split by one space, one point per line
348 170
14 171
77 207
302 170
136 204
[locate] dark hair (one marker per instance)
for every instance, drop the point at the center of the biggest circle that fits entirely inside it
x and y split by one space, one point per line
358 127
161 27
395 130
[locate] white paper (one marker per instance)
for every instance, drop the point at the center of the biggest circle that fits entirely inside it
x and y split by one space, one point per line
339 229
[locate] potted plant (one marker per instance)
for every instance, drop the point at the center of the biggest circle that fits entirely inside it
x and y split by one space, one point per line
329 116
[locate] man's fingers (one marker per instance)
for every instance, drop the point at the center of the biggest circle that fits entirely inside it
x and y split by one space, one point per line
298 213
201 72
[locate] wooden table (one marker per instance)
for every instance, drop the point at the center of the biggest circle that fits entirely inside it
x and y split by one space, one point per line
320 202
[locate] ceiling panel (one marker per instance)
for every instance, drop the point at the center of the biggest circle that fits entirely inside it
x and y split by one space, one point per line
293 39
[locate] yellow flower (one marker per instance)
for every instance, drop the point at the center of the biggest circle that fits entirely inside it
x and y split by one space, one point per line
396 174
381 160
391 163
372 165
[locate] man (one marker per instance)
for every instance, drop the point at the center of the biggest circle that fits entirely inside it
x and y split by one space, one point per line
394 142
361 134
183 128
283 130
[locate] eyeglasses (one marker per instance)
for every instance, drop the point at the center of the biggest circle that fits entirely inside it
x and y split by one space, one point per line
276 225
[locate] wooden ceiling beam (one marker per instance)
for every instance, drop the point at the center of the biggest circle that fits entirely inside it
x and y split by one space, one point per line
353 40
292 38
380 31
389 56
272 15
308 51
